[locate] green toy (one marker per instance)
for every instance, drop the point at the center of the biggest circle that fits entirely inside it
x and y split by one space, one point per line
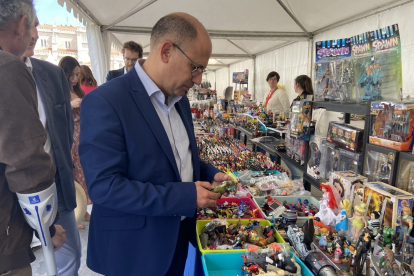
388 234
227 186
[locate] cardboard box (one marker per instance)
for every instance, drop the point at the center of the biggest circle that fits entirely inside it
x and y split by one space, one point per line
344 180
345 136
395 199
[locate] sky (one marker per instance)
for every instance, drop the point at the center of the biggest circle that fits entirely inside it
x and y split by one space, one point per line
47 10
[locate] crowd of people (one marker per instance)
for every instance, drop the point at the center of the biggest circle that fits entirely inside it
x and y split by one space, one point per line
129 143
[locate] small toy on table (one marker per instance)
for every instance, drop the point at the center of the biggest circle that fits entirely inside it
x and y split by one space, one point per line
342 220
388 265
363 247
358 220
329 246
322 239
327 205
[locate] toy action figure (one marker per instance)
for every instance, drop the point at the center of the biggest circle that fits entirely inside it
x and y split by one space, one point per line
374 223
358 220
329 246
388 265
228 186
322 239
363 247
346 251
338 252
327 205
388 235
384 170
342 220
406 227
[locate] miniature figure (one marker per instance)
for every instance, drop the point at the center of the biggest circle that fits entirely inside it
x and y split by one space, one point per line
358 220
322 240
342 220
334 236
318 222
384 170
406 227
329 246
374 223
327 205
338 252
228 186
363 247
388 265
388 235
346 251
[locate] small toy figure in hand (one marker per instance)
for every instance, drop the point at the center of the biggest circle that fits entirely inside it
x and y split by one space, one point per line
362 250
322 239
342 219
388 265
327 205
329 246
338 252
358 220
227 186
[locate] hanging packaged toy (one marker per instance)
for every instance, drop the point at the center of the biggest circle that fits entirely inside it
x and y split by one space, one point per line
380 74
316 164
333 77
331 157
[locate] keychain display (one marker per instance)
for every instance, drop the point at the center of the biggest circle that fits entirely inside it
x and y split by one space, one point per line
345 136
392 124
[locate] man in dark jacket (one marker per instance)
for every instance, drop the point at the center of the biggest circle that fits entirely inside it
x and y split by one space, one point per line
131 51
24 165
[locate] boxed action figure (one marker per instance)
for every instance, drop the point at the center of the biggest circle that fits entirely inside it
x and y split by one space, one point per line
330 158
392 124
380 164
405 176
316 164
350 161
394 198
299 151
300 123
345 136
345 180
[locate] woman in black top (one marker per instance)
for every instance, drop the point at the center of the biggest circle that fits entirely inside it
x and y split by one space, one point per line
303 86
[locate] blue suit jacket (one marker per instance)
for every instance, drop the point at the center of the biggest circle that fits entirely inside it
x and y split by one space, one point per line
133 180
54 89
114 74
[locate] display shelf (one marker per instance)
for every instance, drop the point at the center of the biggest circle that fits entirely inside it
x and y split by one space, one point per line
360 109
315 182
245 131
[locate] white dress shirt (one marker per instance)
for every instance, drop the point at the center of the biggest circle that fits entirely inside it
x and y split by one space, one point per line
279 102
172 123
42 113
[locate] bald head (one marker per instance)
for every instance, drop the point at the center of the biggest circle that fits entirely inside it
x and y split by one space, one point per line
179 28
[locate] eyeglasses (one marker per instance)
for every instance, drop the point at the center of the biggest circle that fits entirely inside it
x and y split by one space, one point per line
132 60
197 69
272 79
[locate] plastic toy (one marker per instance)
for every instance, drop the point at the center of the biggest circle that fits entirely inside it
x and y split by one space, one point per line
338 252
300 123
406 221
327 205
374 223
329 246
342 219
323 241
318 264
358 220
227 186
388 235
388 265
346 251
345 136
363 246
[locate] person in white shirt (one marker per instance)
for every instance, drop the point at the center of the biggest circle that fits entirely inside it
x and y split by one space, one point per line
277 100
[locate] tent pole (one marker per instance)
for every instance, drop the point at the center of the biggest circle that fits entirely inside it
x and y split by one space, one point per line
235 44
294 18
310 55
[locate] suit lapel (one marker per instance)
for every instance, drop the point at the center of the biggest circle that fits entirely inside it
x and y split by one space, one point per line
46 92
191 137
149 113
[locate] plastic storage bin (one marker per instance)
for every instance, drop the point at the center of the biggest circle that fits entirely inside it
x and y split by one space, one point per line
201 223
228 264
249 202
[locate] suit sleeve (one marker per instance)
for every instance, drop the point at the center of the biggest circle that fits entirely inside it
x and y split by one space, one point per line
103 155
29 168
207 171
68 107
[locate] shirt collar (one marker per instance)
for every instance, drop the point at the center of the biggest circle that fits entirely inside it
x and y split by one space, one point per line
28 63
125 71
151 87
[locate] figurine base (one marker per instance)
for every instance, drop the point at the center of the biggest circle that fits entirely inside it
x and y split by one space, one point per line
322 248
329 254
336 261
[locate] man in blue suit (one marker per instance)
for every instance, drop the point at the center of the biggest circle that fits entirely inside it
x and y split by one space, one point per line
55 113
131 51
140 159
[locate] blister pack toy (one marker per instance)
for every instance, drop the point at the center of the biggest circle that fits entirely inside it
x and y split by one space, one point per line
341 83
300 123
380 164
405 177
316 163
350 161
331 158
322 77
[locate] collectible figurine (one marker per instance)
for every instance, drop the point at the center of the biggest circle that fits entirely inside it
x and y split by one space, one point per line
329 246
346 251
384 170
374 223
338 252
388 265
322 240
315 158
406 227
358 220
228 186
309 232
362 248
388 235
342 220
327 205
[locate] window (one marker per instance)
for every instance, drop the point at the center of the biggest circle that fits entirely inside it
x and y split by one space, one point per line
67 44
43 42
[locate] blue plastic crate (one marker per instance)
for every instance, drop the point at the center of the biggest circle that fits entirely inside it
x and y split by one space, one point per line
228 264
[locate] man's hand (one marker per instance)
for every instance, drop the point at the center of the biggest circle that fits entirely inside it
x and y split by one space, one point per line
205 198
220 177
59 238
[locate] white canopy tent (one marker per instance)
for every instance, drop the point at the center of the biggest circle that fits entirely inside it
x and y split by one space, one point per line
259 35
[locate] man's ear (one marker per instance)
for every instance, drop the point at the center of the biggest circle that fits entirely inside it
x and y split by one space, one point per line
166 51
20 27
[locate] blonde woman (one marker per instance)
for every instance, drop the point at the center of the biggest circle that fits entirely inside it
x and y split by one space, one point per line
358 220
342 221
